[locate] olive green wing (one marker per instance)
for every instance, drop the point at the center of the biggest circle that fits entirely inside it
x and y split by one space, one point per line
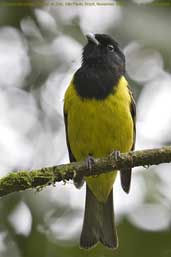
125 174
71 156
79 181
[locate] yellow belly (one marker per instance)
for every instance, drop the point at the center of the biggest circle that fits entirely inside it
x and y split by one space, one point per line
98 127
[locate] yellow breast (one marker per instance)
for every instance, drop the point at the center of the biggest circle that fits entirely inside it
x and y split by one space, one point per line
98 127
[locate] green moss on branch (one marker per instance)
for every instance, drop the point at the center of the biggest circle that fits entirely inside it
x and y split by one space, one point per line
23 180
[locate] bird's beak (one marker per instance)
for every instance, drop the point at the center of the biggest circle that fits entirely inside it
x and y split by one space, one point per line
91 38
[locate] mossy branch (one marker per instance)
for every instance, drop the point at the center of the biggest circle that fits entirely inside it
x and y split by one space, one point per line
22 180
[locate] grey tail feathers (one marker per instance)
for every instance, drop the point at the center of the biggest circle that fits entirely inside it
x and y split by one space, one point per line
98 222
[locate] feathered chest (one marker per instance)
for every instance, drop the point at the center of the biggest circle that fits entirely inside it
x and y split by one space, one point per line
99 126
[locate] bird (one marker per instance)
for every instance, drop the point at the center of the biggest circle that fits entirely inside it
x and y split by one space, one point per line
100 117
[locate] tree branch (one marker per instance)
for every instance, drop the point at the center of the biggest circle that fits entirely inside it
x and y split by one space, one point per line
38 179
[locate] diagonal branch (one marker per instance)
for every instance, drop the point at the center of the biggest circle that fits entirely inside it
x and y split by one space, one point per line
38 179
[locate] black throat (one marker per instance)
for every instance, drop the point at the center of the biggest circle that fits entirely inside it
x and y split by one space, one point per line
96 81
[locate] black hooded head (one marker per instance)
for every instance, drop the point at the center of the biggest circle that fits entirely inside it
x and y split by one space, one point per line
103 63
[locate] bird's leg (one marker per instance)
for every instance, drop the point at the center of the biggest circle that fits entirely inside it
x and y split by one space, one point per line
116 154
89 161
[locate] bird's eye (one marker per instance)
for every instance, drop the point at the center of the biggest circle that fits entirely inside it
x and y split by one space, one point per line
110 47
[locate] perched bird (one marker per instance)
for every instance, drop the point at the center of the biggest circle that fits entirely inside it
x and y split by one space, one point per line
99 113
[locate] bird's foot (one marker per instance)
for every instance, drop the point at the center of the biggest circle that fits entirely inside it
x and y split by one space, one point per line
116 154
89 162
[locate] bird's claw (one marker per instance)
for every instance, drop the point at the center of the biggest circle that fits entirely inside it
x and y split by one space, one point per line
116 154
89 162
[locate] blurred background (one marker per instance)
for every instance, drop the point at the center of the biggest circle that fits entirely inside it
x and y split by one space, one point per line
40 49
